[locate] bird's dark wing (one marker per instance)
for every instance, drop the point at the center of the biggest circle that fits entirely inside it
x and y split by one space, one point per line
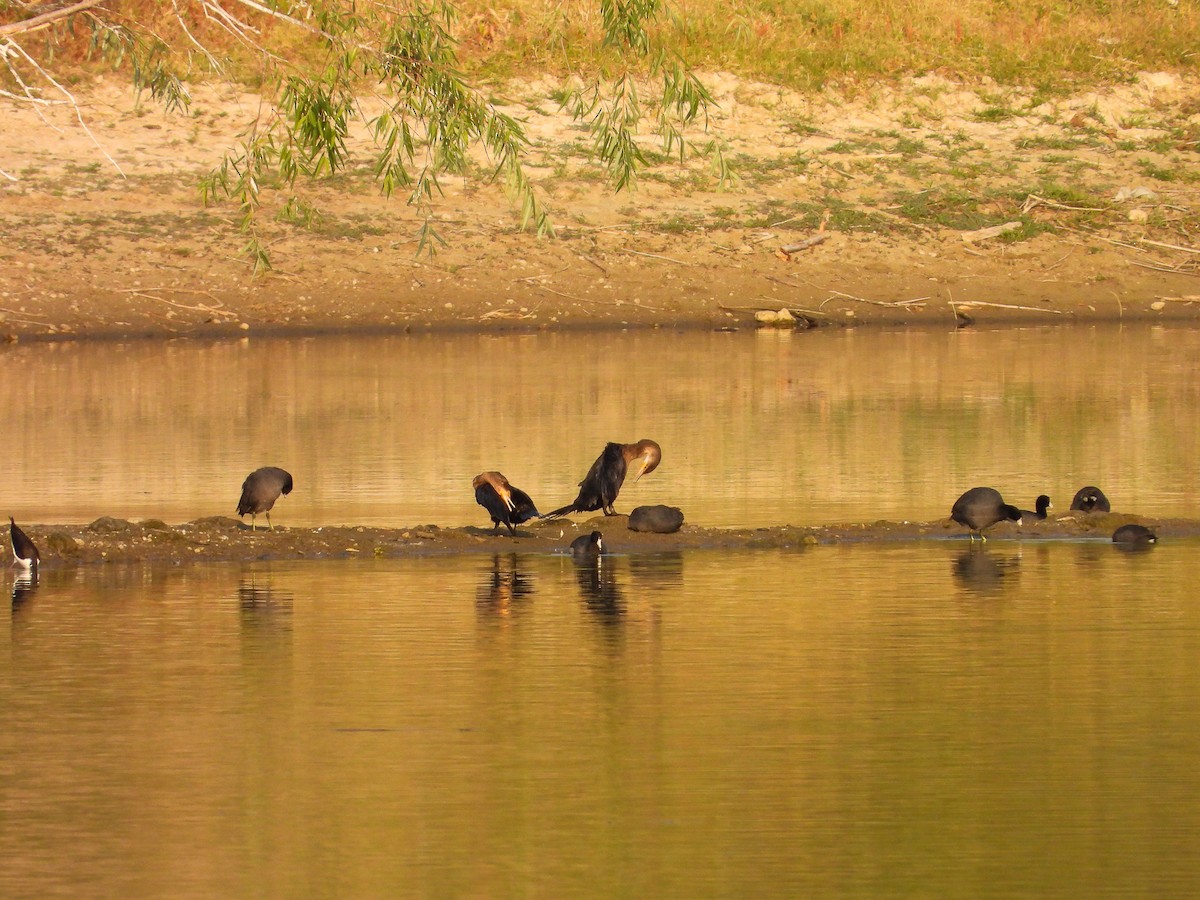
486 496
523 509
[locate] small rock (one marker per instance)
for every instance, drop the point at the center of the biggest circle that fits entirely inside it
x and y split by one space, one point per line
1138 215
1158 305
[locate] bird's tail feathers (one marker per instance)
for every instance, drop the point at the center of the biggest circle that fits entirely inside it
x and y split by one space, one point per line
561 511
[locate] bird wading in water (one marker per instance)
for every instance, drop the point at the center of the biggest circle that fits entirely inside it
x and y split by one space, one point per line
25 553
600 486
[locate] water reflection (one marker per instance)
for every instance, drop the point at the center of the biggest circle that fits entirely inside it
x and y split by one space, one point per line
504 587
266 609
829 426
800 717
657 571
24 587
985 571
597 579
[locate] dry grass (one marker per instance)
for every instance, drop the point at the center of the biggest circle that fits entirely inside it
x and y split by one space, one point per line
1054 45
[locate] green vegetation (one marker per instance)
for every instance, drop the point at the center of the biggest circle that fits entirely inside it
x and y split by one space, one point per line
428 79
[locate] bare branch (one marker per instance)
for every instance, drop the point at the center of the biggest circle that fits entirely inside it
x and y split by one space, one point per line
45 19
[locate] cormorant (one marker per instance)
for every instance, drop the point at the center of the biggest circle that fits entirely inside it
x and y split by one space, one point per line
25 554
260 490
980 508
600 486
503 502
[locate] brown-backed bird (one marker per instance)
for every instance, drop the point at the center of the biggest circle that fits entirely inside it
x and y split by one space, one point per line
260 490
504 503
982 507
600 486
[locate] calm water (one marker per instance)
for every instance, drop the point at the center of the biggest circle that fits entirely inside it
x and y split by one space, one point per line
757 428
920 718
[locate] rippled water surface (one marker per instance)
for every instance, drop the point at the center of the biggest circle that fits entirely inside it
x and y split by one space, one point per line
921 719
756 428
900 718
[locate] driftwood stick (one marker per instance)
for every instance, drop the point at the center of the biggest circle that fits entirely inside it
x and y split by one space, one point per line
804 244
899 304
551 290
766 304
967 304
1169 246
677 262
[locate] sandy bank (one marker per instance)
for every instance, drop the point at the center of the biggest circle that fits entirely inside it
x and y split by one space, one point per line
223 539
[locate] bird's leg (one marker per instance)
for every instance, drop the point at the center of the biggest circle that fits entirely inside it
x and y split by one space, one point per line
252 517
495 526
982 539
269 525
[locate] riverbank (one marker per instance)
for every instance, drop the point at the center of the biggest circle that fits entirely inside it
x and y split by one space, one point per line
924 202
224 539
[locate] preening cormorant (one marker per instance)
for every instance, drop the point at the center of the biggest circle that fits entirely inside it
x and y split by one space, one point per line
504 503
260 490
980 508
600 486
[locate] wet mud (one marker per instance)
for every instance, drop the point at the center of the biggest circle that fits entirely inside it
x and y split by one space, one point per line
225 539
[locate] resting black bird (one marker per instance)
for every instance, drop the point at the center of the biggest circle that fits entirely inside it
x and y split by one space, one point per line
260 490
503 502
1039 509
587 547
1091 499
1134 534
600 486
25 554
982 507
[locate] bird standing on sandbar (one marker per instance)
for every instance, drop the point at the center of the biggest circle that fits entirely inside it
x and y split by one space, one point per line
600 486
1040 506
260 490
25 554
504 503
980 508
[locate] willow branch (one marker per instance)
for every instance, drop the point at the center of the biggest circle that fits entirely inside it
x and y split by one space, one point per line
45 19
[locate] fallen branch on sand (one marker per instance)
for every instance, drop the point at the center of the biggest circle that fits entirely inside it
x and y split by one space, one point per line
969 304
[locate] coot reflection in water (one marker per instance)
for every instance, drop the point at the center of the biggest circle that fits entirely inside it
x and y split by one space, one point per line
981 571
597 579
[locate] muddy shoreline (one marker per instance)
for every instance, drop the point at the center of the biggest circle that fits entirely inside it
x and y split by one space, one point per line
224 539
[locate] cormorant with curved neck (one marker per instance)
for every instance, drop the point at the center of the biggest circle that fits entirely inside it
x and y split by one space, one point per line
504 503
600 486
